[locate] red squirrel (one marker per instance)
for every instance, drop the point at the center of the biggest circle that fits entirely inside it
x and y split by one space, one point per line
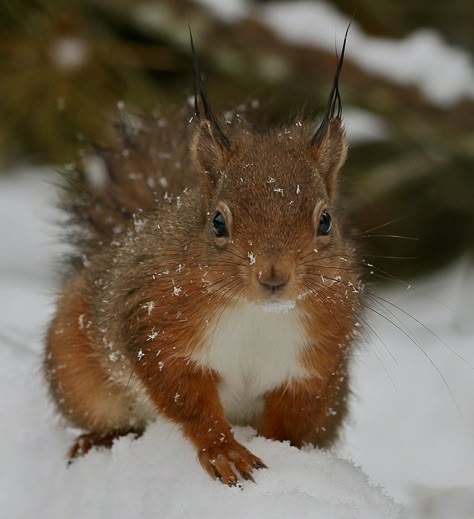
232 301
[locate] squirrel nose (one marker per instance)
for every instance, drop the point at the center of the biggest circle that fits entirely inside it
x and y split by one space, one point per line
273 282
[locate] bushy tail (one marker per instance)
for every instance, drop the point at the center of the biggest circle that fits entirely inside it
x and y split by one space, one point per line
147 166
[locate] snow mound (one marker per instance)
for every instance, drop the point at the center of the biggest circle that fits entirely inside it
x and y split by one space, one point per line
158 474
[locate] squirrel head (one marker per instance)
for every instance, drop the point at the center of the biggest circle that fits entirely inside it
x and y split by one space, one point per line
269 199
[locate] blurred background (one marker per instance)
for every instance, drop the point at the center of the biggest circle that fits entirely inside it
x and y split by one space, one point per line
407 89
407 86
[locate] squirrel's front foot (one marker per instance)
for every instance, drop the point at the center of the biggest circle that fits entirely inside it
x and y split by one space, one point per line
227 460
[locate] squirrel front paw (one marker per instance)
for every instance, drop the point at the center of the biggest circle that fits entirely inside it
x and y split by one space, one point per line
227 460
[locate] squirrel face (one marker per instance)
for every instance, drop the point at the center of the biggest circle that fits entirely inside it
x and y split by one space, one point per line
268 206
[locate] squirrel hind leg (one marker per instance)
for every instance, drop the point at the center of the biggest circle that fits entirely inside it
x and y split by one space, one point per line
85 442
82 390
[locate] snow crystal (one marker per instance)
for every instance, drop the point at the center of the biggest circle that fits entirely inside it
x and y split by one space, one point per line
81 321
153 335
149 307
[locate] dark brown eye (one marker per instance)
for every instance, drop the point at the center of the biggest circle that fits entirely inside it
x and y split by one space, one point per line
325 223
219 225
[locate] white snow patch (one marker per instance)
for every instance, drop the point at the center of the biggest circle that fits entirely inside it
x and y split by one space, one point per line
407 430
29 246
227 10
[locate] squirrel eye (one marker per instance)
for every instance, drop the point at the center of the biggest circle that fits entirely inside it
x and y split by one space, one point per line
325 223
220 228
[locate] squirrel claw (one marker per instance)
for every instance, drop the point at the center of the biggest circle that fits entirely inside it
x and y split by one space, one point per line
258 464
228 463
247 476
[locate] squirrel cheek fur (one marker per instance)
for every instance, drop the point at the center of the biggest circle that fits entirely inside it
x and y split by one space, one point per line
229 305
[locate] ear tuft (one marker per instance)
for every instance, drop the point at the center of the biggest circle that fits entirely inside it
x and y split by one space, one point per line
199 93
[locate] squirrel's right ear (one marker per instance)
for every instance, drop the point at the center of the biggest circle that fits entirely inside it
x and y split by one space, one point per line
210 147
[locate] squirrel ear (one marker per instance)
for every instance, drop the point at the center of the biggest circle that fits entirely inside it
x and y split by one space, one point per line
329 144
210 147
209 155
330 151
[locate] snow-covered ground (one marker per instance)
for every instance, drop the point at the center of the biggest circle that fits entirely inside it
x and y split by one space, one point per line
413 418
407 433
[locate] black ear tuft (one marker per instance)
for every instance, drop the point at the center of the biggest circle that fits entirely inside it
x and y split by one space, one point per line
334 108
199 93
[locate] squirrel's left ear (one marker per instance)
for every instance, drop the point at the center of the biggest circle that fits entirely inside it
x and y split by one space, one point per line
210 147
329 145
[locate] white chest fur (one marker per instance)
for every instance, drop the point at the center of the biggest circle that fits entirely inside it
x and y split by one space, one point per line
254 351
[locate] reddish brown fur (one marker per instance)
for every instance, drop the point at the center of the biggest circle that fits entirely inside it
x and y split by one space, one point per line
129 319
